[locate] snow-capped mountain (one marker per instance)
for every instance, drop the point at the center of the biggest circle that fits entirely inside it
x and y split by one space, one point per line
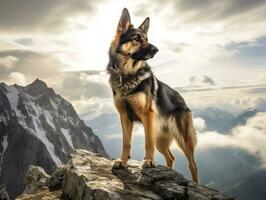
39 127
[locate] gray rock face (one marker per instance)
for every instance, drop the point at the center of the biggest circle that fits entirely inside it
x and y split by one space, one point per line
38 127
3 194
89 176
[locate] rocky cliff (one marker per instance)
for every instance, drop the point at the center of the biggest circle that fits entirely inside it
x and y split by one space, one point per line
87 175
38 127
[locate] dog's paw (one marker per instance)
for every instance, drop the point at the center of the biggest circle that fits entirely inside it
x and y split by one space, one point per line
119 164
148 164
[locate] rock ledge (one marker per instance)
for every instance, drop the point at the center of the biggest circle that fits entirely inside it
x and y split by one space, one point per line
87 175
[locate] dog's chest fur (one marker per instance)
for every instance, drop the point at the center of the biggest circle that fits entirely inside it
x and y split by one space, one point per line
129 96
125 85
134 106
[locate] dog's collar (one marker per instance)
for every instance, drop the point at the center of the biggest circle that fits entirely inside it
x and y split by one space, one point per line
142 74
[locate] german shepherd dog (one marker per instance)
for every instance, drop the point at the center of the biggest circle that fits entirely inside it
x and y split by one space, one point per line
140 97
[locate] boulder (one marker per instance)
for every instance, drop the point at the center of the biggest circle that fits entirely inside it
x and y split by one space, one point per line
35 180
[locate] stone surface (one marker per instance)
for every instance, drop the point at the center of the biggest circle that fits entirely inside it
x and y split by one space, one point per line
89 176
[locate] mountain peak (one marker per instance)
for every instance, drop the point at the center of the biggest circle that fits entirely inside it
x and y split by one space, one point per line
38 84
37 87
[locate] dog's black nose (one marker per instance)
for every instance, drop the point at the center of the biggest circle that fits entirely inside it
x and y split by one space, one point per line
154 49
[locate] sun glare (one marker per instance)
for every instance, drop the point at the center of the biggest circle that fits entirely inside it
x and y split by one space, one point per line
92 38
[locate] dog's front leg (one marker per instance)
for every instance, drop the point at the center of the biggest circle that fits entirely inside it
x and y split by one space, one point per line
127 126
149 128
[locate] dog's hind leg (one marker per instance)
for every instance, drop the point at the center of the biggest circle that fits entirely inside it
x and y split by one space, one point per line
163 143
187 142
188 150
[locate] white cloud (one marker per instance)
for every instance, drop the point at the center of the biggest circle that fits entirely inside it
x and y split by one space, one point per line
187 44
114 136
262 77
29 63
8 61
94 107
202 80
251 102
16 77
250 137
88 91
100 77
38 15
81 86
199 124
138 131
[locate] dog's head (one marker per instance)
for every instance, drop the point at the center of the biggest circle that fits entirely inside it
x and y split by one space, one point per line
133 42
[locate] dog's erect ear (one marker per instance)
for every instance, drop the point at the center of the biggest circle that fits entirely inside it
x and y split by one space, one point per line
145 25
124 21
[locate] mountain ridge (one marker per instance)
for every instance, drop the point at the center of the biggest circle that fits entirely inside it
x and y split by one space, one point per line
38 126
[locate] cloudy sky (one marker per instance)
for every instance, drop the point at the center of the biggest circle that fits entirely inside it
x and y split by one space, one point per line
208 49
212 52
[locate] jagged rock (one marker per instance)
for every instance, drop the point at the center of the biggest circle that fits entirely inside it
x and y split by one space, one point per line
3 193
38 127
36 179
89 176
56 180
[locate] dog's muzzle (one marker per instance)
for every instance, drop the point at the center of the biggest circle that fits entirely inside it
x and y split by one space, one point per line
154 50
145 53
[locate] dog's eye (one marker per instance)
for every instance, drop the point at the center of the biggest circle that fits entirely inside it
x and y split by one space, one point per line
137 38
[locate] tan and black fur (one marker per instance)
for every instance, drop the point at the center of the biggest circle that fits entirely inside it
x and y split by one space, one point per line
140 97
